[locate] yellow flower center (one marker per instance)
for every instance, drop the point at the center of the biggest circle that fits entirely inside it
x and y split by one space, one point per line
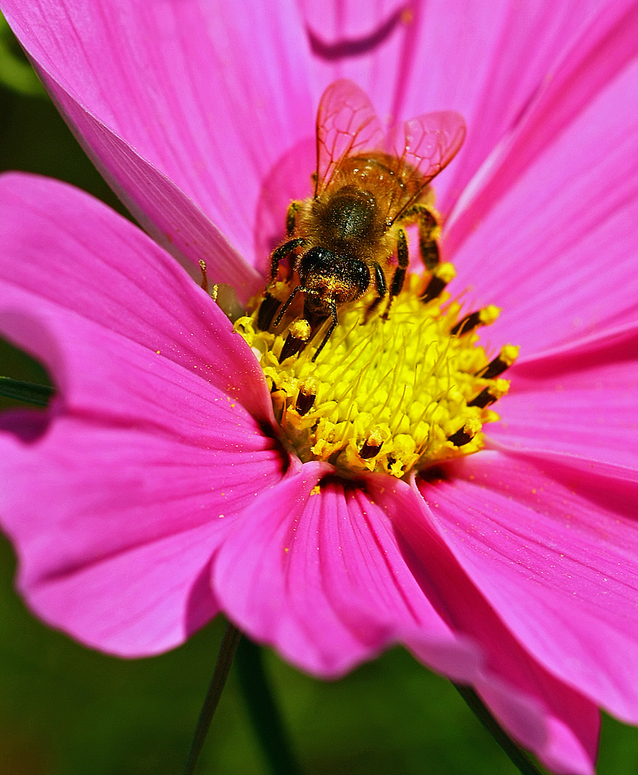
384 395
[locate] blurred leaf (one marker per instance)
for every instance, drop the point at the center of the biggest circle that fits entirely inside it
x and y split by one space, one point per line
22 368
27 392
15 72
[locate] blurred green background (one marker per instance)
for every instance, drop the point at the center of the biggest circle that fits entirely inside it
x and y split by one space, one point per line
65 710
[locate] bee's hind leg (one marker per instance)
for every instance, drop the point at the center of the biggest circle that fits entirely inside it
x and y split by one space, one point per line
429 233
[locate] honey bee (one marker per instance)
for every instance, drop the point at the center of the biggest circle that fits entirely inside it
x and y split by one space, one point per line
368 186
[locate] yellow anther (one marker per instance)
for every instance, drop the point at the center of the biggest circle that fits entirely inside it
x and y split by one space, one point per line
489 314
445 272
509 353
499 388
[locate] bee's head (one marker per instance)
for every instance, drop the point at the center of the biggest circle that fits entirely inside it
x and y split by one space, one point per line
332 276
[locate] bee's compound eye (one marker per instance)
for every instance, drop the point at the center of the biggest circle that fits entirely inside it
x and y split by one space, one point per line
316 260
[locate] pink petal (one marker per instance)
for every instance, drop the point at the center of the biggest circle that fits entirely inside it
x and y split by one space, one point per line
554 552
591 48
369 586
121 522
569 743
541 712
208 93
168 215
559 258
151 440
66 257
579 401
491 61
318 573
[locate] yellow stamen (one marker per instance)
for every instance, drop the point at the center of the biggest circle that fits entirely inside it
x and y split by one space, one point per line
384 395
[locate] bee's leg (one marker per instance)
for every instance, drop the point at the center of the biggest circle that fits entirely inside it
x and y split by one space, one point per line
333 324
379 280
291 216
281 252
290 244
270 303
403 258
429 232
382 289
286 306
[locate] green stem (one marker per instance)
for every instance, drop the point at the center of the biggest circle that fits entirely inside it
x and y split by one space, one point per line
29 392
516 755
227 649
263 711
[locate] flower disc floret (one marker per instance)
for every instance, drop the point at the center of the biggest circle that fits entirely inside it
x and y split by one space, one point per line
384 395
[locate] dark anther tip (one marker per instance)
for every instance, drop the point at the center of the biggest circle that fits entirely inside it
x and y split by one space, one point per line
267 310
460 438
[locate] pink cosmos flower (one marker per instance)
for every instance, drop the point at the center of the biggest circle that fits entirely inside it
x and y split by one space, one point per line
153 493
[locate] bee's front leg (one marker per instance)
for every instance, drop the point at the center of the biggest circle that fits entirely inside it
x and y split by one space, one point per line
281 252
334 322
291 216
270 303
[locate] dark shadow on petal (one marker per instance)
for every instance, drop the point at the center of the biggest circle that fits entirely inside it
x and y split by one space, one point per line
349 486
28 425
202 605
434 474
597 352
354 47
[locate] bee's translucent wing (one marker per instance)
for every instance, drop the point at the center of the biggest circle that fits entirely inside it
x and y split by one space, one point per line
346 124
423 147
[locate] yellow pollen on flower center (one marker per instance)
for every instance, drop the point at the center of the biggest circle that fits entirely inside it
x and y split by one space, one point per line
384 395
